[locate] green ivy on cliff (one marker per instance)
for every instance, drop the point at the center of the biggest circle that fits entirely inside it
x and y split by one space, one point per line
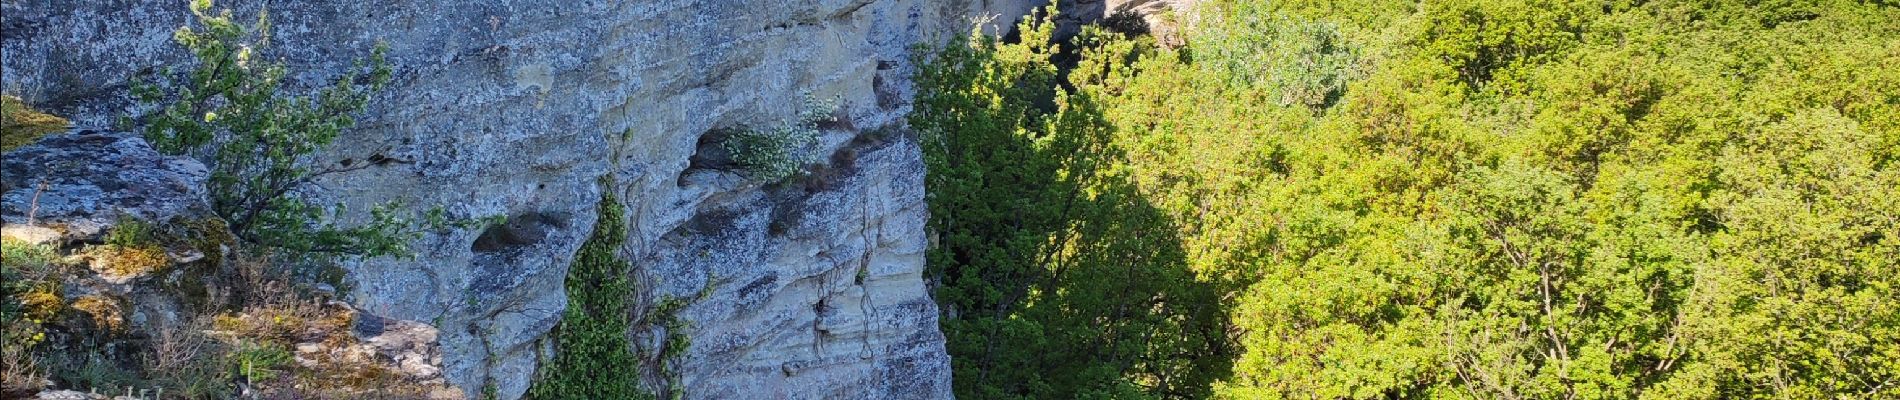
593 357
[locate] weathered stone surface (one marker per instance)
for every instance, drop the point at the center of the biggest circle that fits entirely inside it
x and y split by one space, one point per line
408 345
517 108
84 182
815 285
68 395
1162 18
30 234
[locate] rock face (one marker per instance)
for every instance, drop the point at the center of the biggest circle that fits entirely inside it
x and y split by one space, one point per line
84 182
817 284
1162 18
811 288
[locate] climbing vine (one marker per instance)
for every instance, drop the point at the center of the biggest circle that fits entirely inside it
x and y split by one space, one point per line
592 350
666 315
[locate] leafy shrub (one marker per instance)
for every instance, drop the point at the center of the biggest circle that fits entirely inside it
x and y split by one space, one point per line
778 153
131 232
230 112
1297 61
1057 280
1504 199
26 261
28 299
93 371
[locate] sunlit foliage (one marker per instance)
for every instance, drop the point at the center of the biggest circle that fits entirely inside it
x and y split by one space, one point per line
1491 199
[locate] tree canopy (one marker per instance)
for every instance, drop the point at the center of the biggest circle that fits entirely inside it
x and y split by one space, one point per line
1519 199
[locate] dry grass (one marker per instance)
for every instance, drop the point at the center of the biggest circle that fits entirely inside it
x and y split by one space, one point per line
20 372
290 322
344 371
252 312
177 346
338 366
188 362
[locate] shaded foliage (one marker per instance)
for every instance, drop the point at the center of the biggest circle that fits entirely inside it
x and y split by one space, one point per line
1057 278
1495 199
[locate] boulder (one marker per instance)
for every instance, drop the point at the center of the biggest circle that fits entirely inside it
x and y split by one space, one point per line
80 184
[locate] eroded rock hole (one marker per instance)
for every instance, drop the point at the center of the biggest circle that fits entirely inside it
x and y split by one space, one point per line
519 231
710 152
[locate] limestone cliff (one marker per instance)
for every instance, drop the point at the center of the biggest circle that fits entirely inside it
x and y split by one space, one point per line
812 287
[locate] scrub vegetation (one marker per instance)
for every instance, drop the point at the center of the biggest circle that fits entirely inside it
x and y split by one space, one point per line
1495 199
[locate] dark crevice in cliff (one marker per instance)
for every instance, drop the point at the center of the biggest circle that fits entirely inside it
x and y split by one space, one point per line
842 13
519 231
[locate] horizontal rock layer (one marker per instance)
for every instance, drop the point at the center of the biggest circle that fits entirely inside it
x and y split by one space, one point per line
813 287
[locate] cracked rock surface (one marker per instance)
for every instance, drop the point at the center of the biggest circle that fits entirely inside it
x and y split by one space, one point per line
812 287
83 182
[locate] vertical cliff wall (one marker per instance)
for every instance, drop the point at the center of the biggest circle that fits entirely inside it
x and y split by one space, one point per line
807 289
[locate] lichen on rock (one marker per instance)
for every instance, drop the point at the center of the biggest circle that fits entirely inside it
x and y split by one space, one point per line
514 109
85 182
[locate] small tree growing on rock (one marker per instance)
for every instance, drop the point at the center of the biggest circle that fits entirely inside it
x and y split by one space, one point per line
774 154
258 142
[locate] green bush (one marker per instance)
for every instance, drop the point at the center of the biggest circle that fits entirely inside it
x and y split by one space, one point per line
230 111
781 152
93 371
131 232
259 361
1057 279
27 301
1534 199
1297 61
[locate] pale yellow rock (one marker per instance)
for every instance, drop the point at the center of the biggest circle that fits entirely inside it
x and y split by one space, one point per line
34 235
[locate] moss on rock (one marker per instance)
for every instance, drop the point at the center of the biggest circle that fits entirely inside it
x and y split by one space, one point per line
20 124
105 311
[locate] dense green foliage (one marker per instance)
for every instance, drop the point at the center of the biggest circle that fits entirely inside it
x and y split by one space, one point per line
593 357
1058 279
231 112
1490 199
